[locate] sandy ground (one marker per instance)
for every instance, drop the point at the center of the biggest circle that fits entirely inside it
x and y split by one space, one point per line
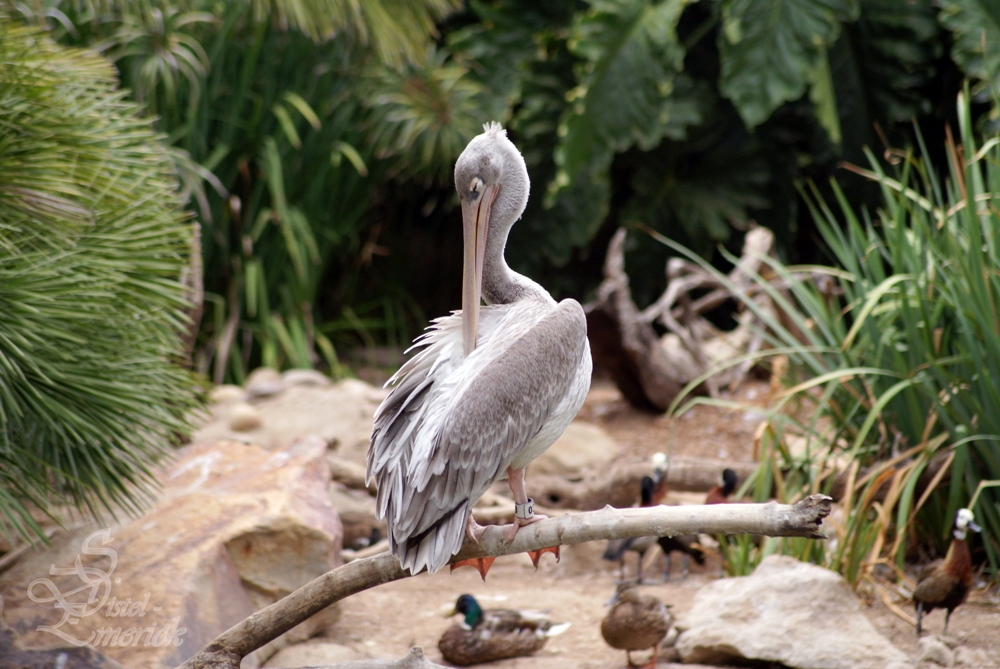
387 621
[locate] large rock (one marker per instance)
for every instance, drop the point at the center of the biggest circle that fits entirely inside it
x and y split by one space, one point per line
14 656
341 413
583 447
930 649
787 611
234 529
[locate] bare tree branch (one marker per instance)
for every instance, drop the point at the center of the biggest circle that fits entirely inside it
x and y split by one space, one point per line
780 520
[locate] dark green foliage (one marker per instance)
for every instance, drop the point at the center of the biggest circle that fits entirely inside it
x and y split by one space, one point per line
93 241
328 137
771 50
975 25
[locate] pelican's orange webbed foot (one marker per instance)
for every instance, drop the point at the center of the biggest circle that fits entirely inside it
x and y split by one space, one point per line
537 555
482 565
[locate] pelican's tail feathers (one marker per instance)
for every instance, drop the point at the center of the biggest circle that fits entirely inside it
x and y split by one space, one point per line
434 547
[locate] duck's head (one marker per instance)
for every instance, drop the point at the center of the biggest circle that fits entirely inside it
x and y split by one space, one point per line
470 609
965 521
646 490
659 462
729 481
625 591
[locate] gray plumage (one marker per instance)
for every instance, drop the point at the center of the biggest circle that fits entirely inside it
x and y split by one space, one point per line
454 422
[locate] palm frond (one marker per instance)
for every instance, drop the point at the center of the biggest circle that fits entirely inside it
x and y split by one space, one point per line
93 239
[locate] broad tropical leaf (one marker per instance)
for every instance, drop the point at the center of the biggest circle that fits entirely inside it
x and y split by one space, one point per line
771 50
499 48
975 25
697 195
894 50
631 59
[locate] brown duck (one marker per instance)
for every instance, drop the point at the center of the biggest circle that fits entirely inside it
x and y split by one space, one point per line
651 493
635 622
944 584
493 634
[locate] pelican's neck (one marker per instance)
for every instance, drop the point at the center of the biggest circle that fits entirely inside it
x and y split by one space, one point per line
501 284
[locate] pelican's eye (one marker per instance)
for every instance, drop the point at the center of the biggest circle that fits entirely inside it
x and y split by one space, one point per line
475 187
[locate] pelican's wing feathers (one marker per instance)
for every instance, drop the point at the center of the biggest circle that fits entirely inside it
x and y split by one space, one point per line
452 426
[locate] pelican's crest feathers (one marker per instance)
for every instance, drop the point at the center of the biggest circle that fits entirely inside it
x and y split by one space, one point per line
493 128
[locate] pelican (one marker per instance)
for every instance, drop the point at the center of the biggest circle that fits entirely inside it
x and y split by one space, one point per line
491 387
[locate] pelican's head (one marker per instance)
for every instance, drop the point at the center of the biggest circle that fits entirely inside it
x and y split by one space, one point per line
492 183
964 520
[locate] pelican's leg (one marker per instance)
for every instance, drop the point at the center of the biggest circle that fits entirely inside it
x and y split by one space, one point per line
515 477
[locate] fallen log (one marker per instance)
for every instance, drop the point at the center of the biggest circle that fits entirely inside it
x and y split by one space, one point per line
624 345
619 486
800 520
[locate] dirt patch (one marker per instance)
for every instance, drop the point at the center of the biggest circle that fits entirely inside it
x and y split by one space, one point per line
387 621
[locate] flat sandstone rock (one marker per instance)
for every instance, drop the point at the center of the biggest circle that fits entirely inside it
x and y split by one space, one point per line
235 528
787 611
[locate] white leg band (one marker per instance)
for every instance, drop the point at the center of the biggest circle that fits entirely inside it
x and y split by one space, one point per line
526 510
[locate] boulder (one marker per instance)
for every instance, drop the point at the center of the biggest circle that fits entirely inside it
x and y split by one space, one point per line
226 393
14 656
930 649
305 377
341 413
244 418
582 447
974 657
313 655
264 382
787 611
235 528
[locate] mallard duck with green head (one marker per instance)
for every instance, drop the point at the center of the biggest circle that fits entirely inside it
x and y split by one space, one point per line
494 634
635 622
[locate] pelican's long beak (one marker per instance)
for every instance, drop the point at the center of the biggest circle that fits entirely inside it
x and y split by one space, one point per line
475 226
